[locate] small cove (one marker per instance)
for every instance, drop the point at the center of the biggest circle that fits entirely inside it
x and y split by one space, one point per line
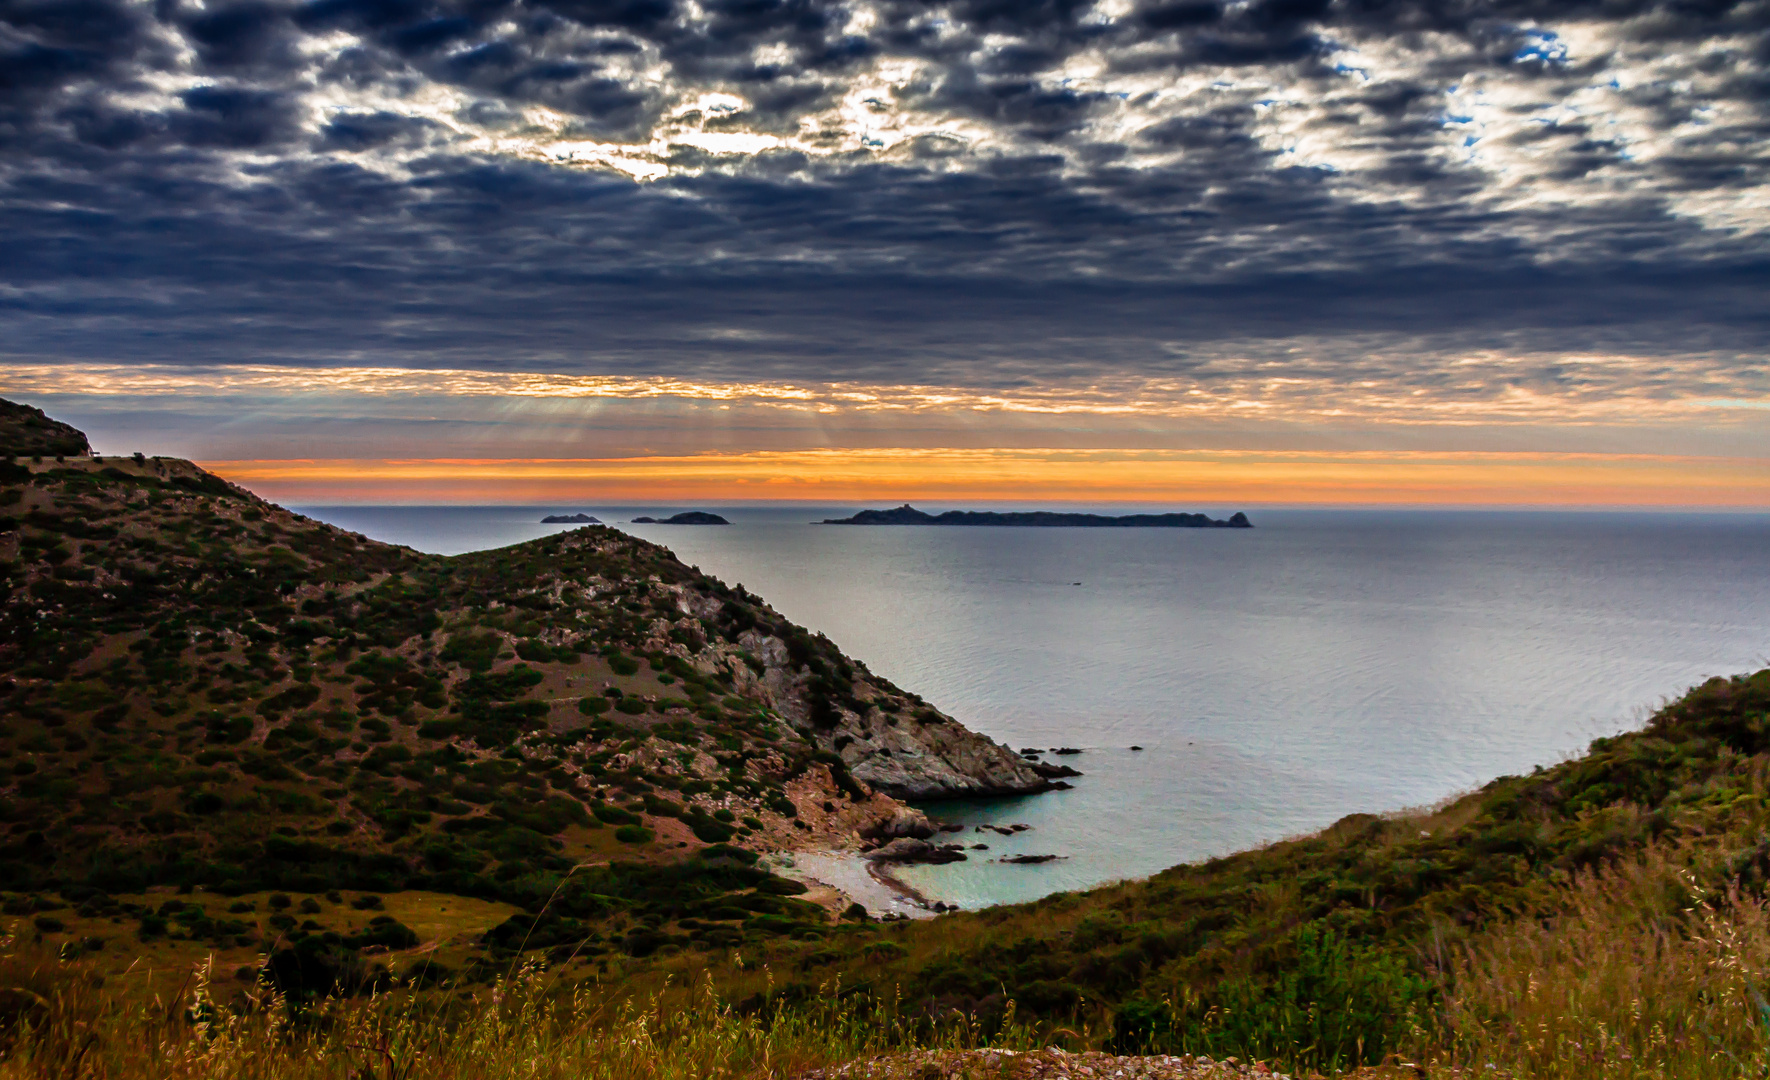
1323 663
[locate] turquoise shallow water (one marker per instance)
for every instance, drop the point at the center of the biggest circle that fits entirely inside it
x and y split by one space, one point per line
1323 663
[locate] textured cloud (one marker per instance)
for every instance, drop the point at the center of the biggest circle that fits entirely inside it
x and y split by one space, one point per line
1473 205
1486 390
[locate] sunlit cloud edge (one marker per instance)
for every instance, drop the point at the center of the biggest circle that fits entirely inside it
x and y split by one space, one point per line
1231 394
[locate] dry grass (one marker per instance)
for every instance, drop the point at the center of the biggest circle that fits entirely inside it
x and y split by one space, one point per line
1643 974
59 1021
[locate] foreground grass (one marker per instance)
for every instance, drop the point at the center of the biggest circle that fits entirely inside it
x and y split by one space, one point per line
59 1021
1641 971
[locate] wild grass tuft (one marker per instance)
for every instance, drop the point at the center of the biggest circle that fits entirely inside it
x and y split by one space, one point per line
1645 972
61 1023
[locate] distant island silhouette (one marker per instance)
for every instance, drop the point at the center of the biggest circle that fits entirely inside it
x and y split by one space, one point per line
569 519
691 517
909 515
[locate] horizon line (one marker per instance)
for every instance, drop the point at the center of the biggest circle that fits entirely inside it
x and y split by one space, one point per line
1742 509
844 476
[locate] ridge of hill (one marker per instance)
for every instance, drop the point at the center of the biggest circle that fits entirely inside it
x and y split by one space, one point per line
27 432
204 690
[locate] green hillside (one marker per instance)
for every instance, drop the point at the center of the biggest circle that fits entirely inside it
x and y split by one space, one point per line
204 691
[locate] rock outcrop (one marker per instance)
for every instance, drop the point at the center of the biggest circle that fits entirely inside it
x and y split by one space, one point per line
886 738
892 741
939 760
907 849
903 821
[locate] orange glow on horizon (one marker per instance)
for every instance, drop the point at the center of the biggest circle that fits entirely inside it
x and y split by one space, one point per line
1030 476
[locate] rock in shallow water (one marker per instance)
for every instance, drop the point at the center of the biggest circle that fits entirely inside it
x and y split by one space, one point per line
907 849
902 822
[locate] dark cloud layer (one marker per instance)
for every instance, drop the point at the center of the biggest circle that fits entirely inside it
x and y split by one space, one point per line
981 192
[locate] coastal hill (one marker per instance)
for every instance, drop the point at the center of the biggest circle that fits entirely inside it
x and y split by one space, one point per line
909 515
205 690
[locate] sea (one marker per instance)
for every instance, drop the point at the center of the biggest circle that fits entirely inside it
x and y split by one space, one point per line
1228 688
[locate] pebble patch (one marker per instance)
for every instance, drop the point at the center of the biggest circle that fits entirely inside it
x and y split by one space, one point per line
1048 1064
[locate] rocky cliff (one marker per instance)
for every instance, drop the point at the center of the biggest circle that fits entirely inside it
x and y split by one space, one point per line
889 739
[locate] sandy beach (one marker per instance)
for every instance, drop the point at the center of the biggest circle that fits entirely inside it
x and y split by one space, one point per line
862 881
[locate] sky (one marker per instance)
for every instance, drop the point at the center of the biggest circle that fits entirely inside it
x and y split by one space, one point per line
1510 252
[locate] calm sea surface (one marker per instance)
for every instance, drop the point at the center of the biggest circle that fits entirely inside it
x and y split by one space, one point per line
1279 678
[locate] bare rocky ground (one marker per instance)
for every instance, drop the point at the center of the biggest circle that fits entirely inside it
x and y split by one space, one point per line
1052 1063
1047 1064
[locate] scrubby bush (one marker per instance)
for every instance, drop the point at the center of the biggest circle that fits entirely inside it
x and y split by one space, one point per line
473 651
614 815
385 931
707 830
